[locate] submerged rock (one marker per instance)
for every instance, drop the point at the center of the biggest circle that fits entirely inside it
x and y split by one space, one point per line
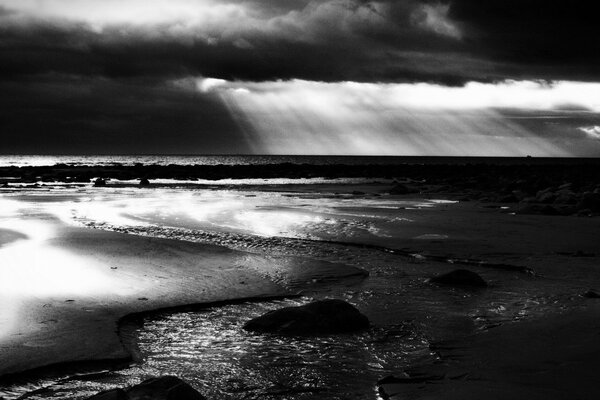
460 277
163 388
99 182
590 294
319 317
144 182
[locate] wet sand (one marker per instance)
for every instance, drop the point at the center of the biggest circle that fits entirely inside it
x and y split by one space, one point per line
554 357
129 274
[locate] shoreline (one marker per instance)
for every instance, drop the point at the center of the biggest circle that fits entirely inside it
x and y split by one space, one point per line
87 366
519 244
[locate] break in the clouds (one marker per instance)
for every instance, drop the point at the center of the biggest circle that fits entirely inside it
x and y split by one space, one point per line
508 118
429 76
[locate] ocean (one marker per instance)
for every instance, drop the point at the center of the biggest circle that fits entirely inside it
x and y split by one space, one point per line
157 159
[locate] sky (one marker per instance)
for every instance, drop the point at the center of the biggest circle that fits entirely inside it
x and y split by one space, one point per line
389 77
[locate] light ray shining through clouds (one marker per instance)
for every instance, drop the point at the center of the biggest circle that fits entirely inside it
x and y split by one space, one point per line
306 117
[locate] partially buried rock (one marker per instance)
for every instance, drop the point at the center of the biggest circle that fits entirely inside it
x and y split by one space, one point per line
319 317
163 388
99 182
460 277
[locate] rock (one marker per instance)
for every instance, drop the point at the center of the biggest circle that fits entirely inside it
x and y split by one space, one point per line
565 197
590 294
319 317
460 277
99 182
546 197
115 394
163 388
144 182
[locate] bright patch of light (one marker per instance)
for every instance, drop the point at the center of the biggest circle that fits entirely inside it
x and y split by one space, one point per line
434 17
9 207
275 223
113 12
210 84
591 131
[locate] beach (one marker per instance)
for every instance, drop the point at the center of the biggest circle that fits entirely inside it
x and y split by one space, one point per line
92 277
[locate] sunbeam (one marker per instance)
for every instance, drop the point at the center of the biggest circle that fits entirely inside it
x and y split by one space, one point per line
301 117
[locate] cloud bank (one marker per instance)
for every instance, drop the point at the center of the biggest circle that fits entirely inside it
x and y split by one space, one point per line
122 75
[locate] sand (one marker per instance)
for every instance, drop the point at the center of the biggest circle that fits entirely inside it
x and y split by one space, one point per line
555 357
59 323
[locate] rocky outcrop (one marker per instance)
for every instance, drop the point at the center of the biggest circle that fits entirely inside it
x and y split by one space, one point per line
319 317
461 278
99 182
163 388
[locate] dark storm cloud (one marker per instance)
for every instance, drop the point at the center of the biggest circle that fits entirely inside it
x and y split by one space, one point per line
536 38
330 41
67 114
412 40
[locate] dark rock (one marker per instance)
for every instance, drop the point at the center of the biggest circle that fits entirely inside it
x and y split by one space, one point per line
546 197
319 317
115 394
565 197
144 182
460 277
99 182
590 294
163 388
